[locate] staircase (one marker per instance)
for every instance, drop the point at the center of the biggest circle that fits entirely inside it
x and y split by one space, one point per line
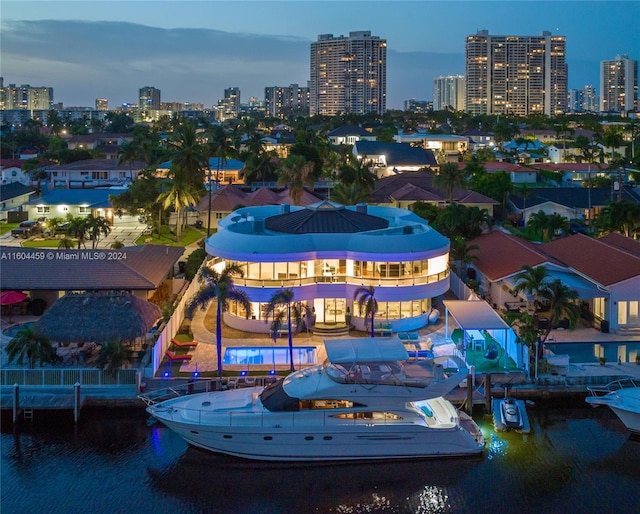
333 330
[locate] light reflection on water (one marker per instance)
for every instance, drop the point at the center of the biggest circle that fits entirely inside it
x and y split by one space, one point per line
115 462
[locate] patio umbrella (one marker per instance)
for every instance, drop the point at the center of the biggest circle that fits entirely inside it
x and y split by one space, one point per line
12 297
97 317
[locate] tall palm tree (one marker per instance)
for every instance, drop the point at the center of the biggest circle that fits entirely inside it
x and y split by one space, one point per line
539 222
451 177
97 226
462 254
281 307
35 347
114 355
218 147
189 159
356 172
218 285
562 304
296 172
180 196
532 281
367 304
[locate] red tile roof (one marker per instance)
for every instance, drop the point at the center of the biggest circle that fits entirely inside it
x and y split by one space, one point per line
594 258
623 243
501 255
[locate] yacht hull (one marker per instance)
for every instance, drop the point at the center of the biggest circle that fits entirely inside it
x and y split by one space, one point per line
329 444
625 403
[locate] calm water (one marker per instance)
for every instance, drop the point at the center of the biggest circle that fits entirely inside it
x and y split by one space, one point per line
577 460
590 352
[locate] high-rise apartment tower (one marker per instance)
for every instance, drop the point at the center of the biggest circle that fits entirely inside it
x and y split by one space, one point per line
619 85
519 75
449 92
348 74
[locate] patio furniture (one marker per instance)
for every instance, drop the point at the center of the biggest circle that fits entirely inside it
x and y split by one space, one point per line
173 357
184 344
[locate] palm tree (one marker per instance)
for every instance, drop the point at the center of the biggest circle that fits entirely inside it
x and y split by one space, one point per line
562 304
66 243
114 355
35 347
622 217
296 172
78 228
218 285
451 177
532 281
349 194
97 226
461 254
356 172
280 307
189 159
539 222
367 304
180 196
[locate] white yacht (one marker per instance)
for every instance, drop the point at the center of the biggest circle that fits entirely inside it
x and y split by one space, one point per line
367 401
623 398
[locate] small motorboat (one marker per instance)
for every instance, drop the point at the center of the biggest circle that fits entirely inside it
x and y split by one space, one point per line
510 413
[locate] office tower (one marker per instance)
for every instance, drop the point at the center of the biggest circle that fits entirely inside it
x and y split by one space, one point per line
449 92
149 99
102 104
589 101
280 102
619 85
348 74
519 75
231 102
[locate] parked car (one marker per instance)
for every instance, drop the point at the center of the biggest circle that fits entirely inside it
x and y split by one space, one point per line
63 227
28 228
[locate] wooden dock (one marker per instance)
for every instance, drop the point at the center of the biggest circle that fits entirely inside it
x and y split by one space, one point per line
24 401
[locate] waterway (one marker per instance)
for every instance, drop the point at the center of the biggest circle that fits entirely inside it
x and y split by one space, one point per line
577 459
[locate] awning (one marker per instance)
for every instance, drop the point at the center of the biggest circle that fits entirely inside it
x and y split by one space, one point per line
365 349
475 315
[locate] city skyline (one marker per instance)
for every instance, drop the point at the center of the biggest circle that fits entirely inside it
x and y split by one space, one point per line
193 51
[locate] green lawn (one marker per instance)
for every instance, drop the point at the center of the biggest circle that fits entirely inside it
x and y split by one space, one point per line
46 243
7 227
189 235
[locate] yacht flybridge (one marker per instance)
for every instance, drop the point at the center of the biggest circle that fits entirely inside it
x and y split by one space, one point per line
367 401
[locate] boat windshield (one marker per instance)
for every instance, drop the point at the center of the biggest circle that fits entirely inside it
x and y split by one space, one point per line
384 373
275 399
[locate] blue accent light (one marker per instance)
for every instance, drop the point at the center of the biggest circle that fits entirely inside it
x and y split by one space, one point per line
167 374
243 373
272 372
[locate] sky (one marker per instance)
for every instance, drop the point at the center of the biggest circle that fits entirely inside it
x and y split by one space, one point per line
192 51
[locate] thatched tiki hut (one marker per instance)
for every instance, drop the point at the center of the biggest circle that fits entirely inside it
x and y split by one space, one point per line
98 317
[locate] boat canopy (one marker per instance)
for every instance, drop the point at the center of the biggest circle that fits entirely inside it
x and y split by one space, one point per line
365 349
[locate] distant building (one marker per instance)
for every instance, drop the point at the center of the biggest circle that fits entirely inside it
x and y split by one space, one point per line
231 103
619 85
26 97
589 100
348 74
573 100
517 75
449 93
418 106
102 104
283 101
149 98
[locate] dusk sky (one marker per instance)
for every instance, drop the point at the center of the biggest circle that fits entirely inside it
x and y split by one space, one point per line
192 51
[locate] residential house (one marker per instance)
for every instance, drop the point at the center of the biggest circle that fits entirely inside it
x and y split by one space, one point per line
387 159
60 203
11 170
221 171
404 189
92 173
479 139
323 252
13 196
604 272
141 270
574 173
517 174
574 203
349 135
447 147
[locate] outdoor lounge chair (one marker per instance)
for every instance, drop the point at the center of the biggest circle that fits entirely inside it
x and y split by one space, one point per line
173 357
184 344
